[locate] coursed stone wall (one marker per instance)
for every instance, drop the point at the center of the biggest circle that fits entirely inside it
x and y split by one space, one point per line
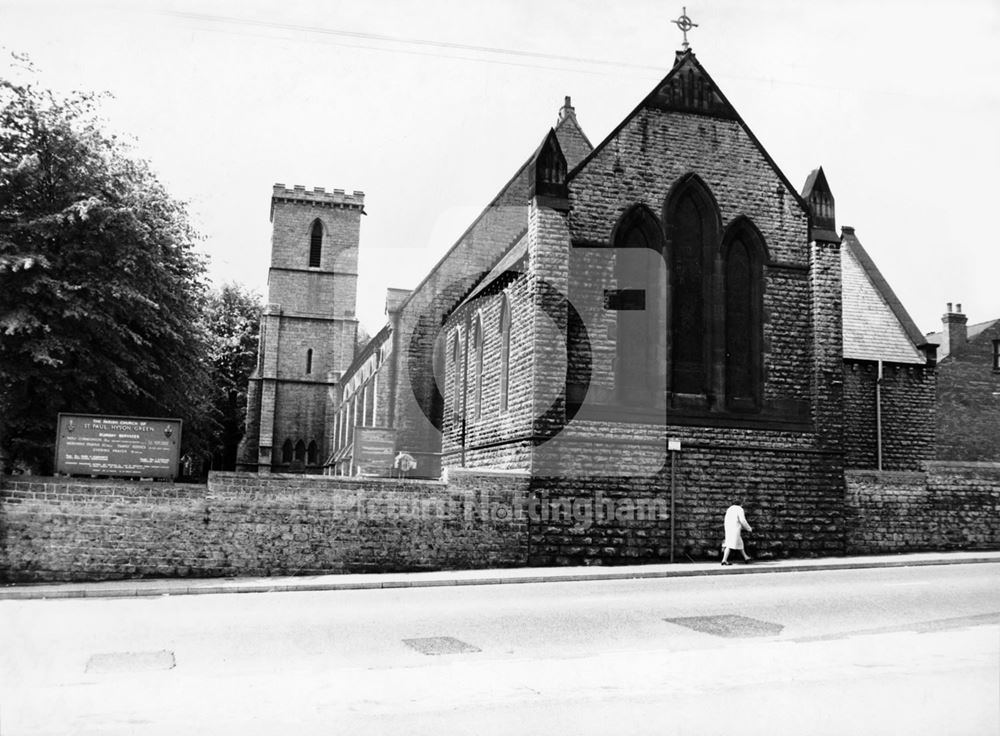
907 415
244 524
944 507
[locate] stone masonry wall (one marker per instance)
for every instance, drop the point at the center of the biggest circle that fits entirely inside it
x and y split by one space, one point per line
948 506
245 524
908 410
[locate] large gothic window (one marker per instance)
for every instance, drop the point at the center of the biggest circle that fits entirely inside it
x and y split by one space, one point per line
743 257
692 225
315 244
640 305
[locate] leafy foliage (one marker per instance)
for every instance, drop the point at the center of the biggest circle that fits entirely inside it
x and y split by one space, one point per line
101 291
233 322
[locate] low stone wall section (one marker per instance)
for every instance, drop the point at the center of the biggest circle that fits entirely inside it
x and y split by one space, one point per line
948 506
255 525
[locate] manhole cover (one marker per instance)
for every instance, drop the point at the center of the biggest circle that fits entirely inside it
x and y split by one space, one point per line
130 662
729 626
440 645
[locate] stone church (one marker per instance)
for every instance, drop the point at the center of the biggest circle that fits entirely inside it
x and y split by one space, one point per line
662 309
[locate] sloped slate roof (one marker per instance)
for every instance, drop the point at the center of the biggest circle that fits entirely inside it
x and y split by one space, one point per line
876 326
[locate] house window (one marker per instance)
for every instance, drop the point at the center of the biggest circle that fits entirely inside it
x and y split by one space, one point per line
504 353
477 351
315 244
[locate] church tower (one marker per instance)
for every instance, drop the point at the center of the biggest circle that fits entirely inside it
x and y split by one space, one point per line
308 329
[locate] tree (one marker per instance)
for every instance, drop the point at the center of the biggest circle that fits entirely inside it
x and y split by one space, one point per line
233 321
101 291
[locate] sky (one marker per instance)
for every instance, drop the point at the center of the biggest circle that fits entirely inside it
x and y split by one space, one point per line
430 107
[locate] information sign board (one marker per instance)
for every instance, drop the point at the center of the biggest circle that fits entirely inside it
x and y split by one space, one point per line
374 450
135 447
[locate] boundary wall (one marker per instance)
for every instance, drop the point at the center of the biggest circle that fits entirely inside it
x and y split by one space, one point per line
243 524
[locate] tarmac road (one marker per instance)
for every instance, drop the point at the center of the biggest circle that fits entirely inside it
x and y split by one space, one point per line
864 651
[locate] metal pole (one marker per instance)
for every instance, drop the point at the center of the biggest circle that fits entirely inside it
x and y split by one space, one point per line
673 485
878 417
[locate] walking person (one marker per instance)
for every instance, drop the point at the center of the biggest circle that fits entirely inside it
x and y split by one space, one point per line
735 523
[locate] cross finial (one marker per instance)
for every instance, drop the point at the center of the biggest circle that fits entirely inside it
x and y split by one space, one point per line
685 24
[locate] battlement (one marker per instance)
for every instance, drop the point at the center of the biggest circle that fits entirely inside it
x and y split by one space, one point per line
318 196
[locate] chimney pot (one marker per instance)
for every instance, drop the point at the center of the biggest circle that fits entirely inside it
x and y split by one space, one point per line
956 332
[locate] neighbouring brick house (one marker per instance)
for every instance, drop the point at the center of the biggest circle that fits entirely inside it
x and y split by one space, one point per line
663 310
968 410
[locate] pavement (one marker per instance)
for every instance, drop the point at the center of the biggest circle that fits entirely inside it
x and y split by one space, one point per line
368 581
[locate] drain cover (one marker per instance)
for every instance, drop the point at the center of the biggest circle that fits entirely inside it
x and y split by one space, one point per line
440 645
729 626
130 662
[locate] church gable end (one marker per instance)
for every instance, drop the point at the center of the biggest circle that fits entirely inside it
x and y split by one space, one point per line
688 88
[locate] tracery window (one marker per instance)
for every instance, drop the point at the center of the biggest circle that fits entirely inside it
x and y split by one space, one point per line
692 225
640 305
743 253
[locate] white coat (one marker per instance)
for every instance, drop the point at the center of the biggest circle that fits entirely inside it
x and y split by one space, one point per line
735 523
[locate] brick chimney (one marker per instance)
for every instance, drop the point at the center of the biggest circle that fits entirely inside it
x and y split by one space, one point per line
953 323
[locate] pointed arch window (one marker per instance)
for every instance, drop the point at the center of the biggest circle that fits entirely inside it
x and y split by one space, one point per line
309 361
300 451
456 385
504 328
286 452
311 453
477 352
315 244
743 256
640 305
693 227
